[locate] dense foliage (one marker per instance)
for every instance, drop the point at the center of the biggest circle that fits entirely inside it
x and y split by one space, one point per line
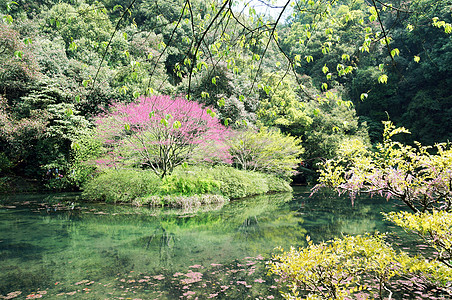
122 98
420 177
145 187
66 62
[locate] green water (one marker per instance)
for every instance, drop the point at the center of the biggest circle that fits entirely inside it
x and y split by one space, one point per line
96 251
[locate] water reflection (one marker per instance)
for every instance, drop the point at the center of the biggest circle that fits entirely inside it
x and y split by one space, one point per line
118 246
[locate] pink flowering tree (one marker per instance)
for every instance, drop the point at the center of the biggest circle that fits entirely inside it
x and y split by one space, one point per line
367 266
161 133
420 177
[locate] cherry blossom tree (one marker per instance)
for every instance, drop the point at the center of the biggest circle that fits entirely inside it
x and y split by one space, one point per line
161 133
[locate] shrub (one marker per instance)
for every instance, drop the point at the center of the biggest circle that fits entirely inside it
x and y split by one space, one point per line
266 151
189 184
181 200
276 184
360 267
238 183
145 187
124 185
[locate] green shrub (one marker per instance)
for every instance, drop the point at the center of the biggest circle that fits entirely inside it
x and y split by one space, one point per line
236 183
180 200
144 187
277 184
124 185
5 163
189 184
267 151
4 184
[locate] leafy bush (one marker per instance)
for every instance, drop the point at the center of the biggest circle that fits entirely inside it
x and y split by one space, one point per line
266 151
145 187
5 163
124 185
181 200
364 267
238 183
420 177
189 184
276 184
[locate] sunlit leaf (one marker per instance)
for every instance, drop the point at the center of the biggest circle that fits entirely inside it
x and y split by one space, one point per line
383 78
364 96
18 54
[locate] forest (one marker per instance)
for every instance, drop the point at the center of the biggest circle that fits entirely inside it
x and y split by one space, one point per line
190 102
322 74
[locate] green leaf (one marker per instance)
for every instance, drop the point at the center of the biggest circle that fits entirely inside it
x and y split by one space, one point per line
124 89
324 86
325 69
77 98
75 145
395 52
69 112
417 58
72 46
136 94
164 122
8 19
214 80
221 102
18 54
117 7
8 5
383 78
211 113
85 83
127 127
151 114
177 124
124 34
364 96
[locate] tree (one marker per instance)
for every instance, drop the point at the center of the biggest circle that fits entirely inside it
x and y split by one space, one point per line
266 151
413 175
419 177
160 133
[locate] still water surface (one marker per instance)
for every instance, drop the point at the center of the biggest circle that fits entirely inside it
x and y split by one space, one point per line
96 251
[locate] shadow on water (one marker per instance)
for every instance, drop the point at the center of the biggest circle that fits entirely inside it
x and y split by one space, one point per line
58 245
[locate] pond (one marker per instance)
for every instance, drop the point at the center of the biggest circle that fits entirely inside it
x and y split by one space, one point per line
57 247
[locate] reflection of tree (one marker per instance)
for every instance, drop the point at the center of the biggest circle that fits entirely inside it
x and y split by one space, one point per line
329 215
165 242
274 228
249 226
